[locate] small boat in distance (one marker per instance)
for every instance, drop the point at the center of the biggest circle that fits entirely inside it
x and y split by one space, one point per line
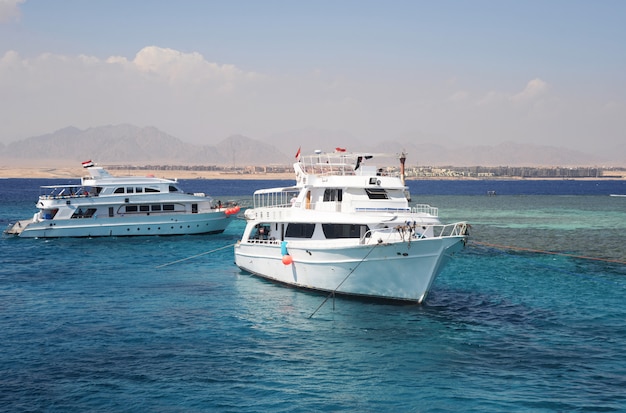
346 227
103 205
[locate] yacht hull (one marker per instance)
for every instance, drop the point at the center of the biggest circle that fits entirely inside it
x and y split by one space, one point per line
395 271
207 223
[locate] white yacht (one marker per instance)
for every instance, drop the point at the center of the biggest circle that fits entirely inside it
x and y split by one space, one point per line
347 227
103 205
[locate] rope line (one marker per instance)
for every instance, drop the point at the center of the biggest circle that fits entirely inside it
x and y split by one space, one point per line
195 256
332 293
510 247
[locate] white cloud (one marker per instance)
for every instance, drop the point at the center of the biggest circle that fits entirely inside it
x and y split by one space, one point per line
179 92
201 101
10 10
459 96
533 89
178 67
491 97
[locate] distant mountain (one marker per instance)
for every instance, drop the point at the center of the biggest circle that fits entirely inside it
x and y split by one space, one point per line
122 144
509 153
128 144
311 139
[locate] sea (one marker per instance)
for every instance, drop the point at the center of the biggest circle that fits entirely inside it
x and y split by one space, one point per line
529 317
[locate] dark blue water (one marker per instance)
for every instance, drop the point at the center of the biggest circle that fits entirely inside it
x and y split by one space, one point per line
28 188
102 325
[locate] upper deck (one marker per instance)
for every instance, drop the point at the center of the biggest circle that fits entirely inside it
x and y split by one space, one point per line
347 164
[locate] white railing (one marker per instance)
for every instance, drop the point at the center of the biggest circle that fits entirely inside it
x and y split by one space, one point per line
278 199
425 209
408 232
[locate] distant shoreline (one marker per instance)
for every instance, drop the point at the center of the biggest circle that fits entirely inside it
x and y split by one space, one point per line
77 173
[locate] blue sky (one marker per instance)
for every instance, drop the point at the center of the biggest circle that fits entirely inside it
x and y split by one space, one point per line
454 72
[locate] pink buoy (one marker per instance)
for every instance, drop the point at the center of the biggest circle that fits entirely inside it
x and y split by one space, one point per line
231 211
287 259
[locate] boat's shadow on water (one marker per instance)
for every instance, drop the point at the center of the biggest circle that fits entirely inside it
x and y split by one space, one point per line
443 304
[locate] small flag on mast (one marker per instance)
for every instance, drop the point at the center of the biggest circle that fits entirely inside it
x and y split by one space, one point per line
298 154
88 164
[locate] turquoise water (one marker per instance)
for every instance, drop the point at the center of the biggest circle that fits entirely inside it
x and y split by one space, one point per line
102 325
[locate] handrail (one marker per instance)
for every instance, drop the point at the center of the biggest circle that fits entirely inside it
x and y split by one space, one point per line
425 208
438 230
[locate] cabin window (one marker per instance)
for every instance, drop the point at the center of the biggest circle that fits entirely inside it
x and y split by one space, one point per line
118 191
156 207
173 188
376 193
300 230
152 190
84 214
111 212
144 208
332 231
332 194
168 207
130 190
138 189
131 208
262 231
194 208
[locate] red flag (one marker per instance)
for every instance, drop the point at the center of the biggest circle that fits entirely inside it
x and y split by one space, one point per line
340 149
87 164
298 154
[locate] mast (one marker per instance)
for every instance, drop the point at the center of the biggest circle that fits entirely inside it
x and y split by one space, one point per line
402 160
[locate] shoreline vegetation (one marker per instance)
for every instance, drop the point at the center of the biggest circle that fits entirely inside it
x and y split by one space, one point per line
259 173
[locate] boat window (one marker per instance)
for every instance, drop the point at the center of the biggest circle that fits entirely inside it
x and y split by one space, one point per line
173 188
131 208
79 213
129 190
168 207
144 208
156 207
194 208
300 230
152 190
98 189
118 191
376 193
262 231
138 189
333 194
344 230
111 213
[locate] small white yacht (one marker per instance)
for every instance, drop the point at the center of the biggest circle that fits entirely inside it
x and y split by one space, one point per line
103 205
347 228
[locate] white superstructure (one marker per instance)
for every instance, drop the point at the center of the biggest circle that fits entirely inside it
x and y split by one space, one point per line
348 228
103 205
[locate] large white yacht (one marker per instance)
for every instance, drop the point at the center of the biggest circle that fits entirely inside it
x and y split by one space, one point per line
103 205
347 227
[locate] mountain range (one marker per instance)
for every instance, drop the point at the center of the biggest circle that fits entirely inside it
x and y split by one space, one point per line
129 144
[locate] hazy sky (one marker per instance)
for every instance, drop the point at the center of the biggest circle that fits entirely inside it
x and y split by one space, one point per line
466 72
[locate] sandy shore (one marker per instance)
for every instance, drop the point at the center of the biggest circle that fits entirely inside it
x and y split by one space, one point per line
15 172
75 173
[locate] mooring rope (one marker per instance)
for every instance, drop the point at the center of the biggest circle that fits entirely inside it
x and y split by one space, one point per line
332 293
195 256
513 248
